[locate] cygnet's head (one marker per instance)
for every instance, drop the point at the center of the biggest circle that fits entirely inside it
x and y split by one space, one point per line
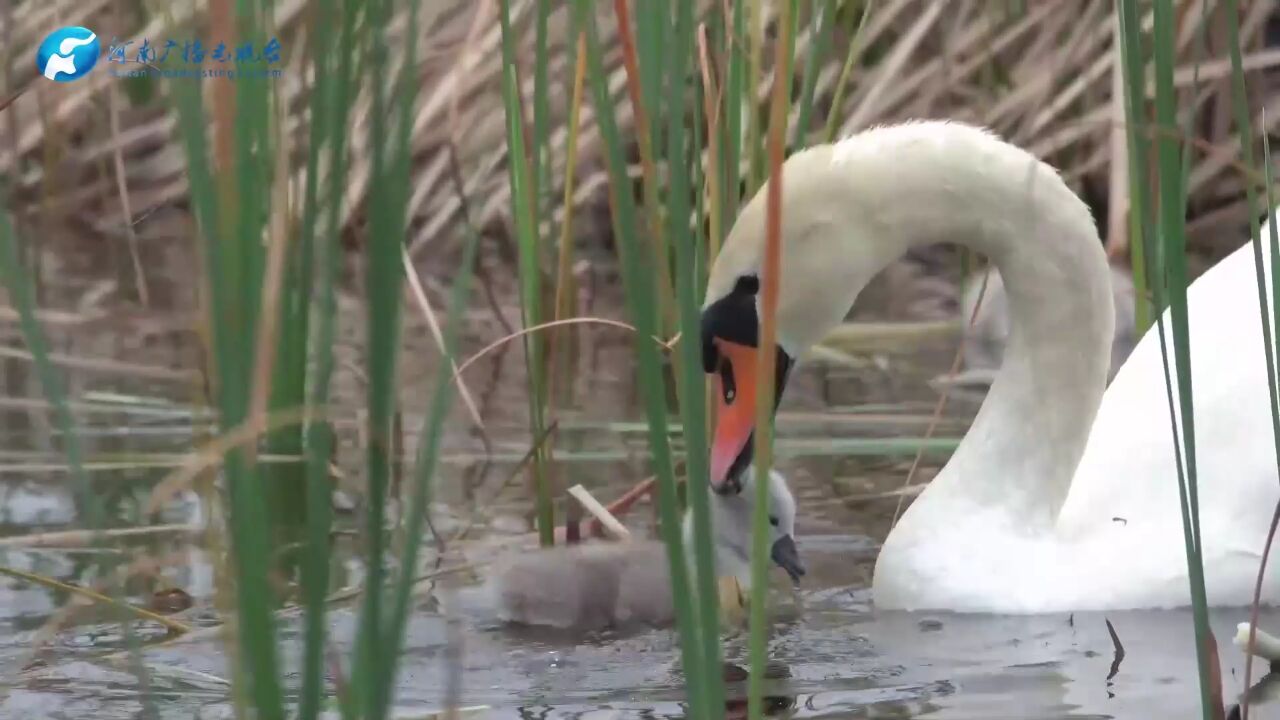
733 516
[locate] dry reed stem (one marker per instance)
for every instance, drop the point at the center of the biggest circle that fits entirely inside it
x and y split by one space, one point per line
1118 217
424 306
890 72
977 38
106 366
666 345
117 158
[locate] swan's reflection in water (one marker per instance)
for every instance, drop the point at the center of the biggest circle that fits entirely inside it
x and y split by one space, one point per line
1265 692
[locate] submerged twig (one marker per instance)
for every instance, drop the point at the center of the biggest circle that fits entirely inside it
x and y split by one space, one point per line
601 513
1117 648
140 613
1254 638
78 538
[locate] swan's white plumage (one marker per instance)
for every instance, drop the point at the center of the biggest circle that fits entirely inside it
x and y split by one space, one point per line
1034 512
1128 469
1118 541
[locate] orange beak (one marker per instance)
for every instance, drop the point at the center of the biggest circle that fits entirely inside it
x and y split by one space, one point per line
735 413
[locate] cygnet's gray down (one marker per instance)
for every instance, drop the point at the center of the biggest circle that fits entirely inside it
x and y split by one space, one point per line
985 340
599 585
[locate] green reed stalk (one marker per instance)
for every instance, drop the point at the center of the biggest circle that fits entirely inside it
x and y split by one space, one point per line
846 70
229 197
539 177
736 98
391 173
1172 279
651 20
638 281
822 27
1240 106
682 164
232 199
383 285
429 437
645 70
1244 129
1269 182
16 279
541 103
699 180
1141 206
279 365
331 99
770 283
524 211
755 71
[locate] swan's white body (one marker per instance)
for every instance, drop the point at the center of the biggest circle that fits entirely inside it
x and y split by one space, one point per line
1057 499
1117 542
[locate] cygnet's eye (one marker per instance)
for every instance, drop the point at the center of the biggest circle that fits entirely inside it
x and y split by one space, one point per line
773 520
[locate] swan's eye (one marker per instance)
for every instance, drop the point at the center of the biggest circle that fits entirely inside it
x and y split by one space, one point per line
773 520
728 388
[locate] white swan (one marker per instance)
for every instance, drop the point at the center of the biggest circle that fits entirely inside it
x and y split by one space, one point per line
600 585
1057 499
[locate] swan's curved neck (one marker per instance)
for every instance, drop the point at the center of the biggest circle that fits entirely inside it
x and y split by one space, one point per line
858 205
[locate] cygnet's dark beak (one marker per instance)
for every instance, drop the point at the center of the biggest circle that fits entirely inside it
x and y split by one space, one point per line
785 554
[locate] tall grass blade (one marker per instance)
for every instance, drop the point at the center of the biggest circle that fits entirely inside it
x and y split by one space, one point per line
330 102
524 211
645 74
1244 129
689 374
755 51
232 263
16 280
429 445
846 70
737 95
1172 233
639 289
822 28
541 102
1274 234
383 282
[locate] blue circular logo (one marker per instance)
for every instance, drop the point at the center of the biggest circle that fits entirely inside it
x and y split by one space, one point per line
68 53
